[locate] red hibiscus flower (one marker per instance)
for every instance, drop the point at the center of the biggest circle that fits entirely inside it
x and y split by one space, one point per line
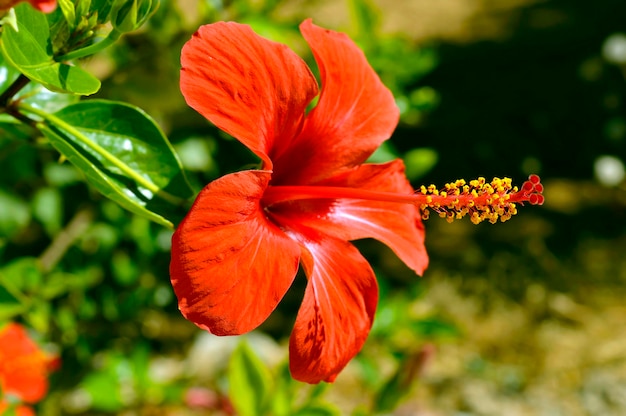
46 6
23 366
237 251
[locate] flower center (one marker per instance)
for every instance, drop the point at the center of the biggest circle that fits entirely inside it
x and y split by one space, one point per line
478 199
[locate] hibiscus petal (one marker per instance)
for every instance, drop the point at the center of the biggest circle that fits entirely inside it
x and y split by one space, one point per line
354 115
252 88
337 311
28 386
46 6
230 265
398 225
26 376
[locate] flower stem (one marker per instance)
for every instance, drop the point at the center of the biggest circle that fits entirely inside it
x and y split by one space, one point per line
113 36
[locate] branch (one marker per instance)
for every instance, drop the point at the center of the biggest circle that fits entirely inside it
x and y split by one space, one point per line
13 89
64 240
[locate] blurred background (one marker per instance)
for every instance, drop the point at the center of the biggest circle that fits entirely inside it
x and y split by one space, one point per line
521 318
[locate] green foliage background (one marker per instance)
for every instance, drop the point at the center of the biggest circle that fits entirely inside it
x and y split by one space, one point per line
503 311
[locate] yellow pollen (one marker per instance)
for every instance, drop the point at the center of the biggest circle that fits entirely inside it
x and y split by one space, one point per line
478 199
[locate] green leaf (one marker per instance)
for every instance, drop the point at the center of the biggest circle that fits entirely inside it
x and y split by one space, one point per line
129 15
103 387
284 391
249 382
47 207
34 94
29 49
102 9
318 409
14 215
125 270
67 8
391 393
435 328
61 175
22 275
365 19
123 153
39 314
9 19
10 305
21 282
400 384
83 8
59 283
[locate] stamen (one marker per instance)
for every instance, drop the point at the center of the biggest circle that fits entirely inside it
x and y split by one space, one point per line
479 199
493 201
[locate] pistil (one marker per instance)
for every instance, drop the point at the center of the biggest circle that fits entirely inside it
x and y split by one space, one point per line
478 199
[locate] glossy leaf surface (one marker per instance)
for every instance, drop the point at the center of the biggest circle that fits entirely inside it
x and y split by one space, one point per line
29 49
123 153
33 94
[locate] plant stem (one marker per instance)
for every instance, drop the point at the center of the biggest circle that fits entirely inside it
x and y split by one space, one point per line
64 240
13 89
113 36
